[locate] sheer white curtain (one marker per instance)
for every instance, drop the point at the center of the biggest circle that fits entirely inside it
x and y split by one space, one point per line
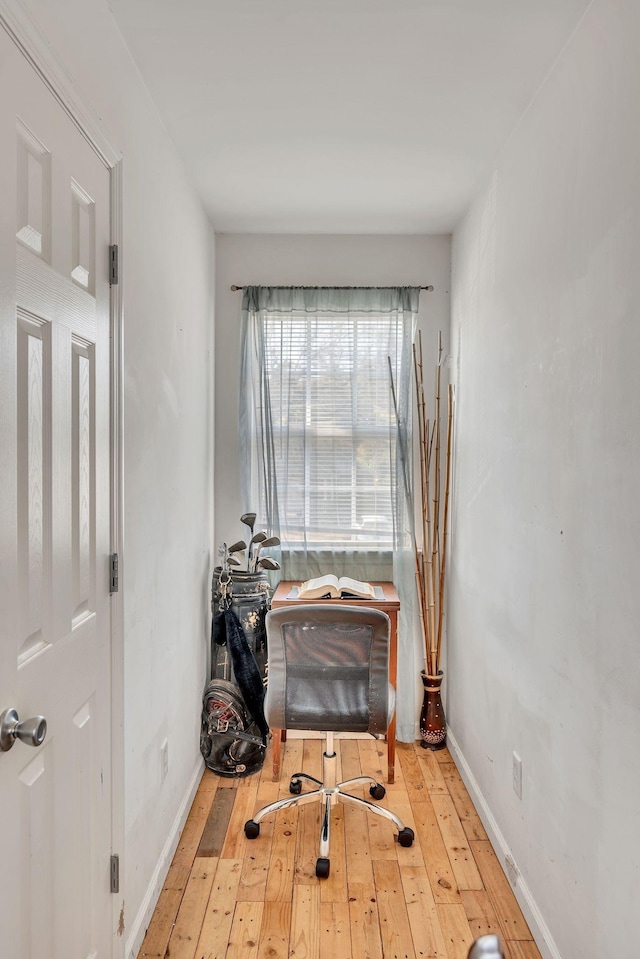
321 446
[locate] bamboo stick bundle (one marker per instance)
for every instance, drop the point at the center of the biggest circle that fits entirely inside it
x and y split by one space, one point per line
435 532
445 522
409 498
424 594
430 561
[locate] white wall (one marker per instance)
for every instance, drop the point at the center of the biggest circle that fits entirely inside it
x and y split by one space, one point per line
544 603
306 260
168 456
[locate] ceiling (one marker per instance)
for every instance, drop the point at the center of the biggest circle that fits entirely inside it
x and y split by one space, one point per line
342 116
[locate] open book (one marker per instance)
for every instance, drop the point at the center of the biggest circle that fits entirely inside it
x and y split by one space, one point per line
333 588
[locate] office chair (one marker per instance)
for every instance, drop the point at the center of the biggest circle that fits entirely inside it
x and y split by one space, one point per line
329 671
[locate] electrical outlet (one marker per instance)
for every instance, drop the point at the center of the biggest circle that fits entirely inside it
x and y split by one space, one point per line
516 771
164 760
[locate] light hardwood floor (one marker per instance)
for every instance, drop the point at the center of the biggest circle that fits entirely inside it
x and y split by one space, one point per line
227 897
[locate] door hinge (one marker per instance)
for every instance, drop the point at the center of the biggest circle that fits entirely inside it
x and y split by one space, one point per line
115 873
113 573
113 265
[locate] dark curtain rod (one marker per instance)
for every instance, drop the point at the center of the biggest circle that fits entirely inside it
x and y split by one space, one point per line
235 288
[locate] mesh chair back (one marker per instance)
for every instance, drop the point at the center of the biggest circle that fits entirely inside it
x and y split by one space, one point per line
328 668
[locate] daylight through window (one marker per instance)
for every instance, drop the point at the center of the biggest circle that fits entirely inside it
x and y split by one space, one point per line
333 425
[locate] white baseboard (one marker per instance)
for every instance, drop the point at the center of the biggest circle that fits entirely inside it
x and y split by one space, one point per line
142 920
537 925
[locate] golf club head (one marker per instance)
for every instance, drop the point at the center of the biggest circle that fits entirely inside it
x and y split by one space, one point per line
237 547
258 538
267 541
270 541
248 519
232 561
266 562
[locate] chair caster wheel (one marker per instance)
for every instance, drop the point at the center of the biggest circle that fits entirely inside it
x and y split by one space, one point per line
405 836
251 829
295 787
377 791
322 868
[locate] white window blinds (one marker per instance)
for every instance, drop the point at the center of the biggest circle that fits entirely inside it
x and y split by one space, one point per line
333 425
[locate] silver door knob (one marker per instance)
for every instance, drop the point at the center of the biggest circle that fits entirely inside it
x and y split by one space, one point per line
486 947
31 731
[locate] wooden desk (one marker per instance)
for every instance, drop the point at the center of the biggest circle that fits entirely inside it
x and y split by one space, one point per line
389 604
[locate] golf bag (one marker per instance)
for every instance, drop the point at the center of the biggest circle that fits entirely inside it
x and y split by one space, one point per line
234 733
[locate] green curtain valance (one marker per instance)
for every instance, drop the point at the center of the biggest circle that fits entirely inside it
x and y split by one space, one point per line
309 299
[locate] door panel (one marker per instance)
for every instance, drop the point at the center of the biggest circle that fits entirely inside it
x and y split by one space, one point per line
54 524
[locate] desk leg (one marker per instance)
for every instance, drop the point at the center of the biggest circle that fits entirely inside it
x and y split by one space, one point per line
278 736
393 677
276 740
391 751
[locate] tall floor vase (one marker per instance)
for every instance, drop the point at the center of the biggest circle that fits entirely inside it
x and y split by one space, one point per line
433 724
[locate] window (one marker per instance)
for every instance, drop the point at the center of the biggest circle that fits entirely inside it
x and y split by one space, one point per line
318 429
333 425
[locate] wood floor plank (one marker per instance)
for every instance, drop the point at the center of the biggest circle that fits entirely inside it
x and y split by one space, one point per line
216 927
471 822
156 939
366 939
358 853
245 931
268 791
291 763
456 844
436 860
350 759
455 929
235 844
395 931
509 915
255 868
304 942
255 865
382 835
411 771
334 889
335 931
431 771
371 762
217 823
282 862
308 835
312 757
480 912
190 918
426 932
406 855
521 949
209 782
274 933
193 829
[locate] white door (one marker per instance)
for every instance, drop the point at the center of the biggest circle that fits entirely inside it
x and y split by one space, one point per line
55 799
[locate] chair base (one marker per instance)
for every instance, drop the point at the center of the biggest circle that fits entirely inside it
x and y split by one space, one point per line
328 792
